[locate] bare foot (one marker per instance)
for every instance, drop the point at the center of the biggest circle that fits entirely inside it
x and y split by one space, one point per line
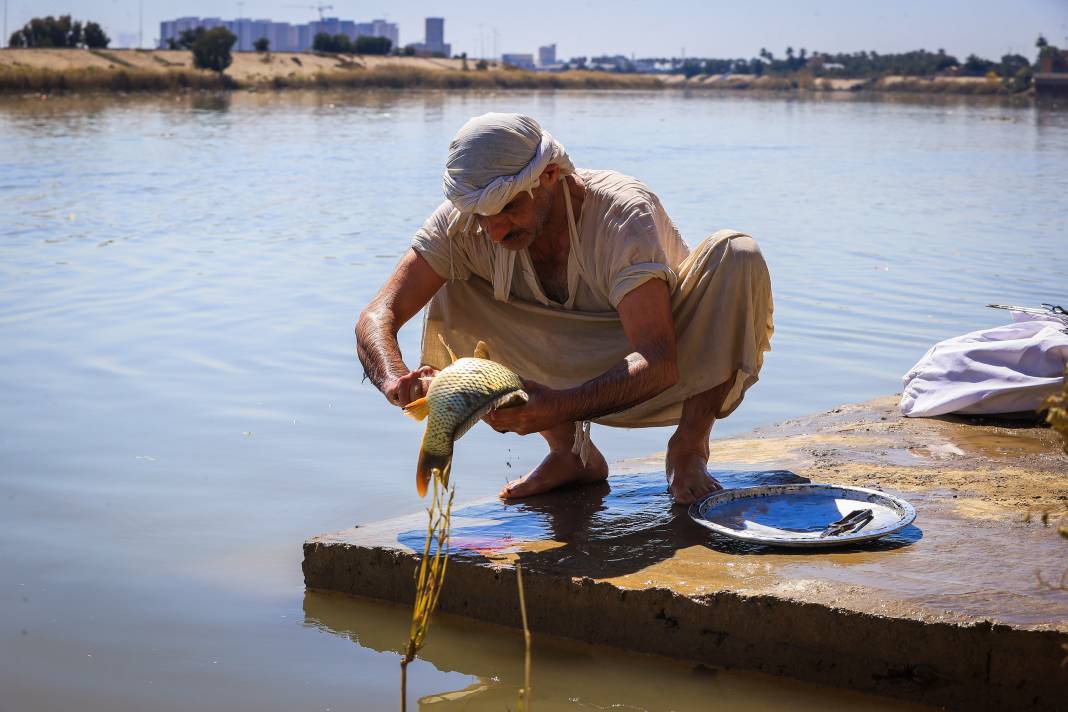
687 473
560 467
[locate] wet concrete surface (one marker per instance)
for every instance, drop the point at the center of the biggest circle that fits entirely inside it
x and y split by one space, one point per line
963 608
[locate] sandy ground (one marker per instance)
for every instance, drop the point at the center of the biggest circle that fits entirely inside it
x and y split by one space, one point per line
246 65
990 468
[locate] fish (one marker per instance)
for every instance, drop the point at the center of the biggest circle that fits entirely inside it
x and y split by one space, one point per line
457 398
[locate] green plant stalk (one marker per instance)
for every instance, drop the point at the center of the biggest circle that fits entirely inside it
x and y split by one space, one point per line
430 575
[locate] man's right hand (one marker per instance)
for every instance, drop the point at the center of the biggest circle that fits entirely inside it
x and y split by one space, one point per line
409 387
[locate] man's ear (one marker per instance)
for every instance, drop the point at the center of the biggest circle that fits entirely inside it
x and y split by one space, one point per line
549 175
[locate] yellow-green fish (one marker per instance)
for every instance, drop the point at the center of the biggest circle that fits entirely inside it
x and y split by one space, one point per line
458 396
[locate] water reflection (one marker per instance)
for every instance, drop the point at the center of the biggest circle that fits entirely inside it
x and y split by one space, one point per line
211 102
611 529
565 675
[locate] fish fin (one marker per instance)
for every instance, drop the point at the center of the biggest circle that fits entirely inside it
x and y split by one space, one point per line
511 400
418 408
452 356
482 351
424 470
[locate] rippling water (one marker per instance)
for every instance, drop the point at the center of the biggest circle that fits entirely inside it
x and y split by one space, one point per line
181 404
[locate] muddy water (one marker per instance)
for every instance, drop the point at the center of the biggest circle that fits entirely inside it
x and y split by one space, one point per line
181 407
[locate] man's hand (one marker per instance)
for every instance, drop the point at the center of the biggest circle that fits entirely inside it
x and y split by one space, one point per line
544 411
411 386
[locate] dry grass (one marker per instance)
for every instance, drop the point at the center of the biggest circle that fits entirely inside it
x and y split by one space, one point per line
430 575
1057 415
123 76
526 692
919 85
26 80
401 77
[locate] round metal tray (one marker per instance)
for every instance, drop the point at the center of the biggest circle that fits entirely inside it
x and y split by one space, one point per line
796 515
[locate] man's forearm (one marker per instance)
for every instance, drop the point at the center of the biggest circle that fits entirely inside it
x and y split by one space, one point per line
376 346
631 381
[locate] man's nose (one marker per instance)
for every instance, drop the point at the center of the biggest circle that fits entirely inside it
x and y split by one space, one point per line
495 227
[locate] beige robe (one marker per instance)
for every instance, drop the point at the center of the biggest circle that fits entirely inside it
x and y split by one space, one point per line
720 298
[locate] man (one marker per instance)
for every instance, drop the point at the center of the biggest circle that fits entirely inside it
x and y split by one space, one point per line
579 282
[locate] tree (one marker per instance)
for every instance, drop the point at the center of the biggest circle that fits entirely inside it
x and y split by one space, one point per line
48 32
95 37
975 66
212 49
324 42
187 38
261 45
373 45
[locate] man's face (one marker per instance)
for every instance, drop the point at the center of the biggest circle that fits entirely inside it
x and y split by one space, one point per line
521 221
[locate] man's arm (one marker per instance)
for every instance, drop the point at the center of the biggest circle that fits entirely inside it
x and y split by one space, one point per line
412 284
650 369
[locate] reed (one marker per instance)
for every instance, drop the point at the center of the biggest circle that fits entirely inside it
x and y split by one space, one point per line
430 575
526 692
1057 416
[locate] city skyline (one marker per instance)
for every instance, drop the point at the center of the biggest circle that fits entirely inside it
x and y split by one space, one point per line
683 27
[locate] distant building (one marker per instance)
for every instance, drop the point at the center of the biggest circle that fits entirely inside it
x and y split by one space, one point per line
547 55
522 61
434 42
379 28
281 36
435 32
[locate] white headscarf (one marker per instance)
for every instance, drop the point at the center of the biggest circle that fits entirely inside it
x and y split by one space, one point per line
494 157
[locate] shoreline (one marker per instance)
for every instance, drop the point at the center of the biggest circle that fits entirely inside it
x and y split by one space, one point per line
71 71
962 604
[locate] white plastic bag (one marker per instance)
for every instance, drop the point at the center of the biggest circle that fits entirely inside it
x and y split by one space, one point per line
1006 369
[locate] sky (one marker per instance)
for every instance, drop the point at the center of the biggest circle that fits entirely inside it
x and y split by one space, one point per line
642 28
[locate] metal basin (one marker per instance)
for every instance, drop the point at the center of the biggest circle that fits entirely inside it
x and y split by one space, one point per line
797 515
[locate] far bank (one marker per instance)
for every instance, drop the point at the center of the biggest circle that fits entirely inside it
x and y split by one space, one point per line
44 71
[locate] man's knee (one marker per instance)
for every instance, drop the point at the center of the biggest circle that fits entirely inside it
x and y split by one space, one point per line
742 254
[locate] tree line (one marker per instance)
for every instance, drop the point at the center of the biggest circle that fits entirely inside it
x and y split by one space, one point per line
59 31
325 42
1014 69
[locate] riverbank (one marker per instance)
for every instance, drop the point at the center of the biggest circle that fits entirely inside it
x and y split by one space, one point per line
44 71
77 70
962 609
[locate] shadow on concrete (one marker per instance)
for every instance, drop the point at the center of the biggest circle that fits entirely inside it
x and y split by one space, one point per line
610 529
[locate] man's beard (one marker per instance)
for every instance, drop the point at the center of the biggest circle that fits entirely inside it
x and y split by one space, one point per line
540 219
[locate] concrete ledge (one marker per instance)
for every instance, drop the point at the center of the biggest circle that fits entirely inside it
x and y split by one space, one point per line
948 612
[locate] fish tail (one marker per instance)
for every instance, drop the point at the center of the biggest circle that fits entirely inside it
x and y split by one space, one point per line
424 470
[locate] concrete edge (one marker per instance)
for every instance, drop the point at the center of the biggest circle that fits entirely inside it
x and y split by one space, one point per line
975 666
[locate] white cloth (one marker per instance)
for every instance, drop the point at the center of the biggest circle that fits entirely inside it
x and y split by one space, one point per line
495 157
720 298
1007 369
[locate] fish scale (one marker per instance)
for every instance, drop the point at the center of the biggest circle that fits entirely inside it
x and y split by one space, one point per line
458 397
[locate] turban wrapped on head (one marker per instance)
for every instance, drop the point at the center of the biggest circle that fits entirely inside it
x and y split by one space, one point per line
494 157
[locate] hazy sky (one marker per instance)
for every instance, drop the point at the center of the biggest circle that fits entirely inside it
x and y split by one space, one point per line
738 28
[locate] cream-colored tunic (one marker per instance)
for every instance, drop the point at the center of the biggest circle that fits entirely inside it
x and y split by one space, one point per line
720 294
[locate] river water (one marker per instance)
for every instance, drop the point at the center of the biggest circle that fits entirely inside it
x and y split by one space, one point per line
181 405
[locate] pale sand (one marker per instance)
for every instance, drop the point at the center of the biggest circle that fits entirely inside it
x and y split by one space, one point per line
245 66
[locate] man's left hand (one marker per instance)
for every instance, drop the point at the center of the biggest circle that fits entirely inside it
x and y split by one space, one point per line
543 411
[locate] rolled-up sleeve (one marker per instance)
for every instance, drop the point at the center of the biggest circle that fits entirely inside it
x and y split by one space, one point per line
637 255
432 242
